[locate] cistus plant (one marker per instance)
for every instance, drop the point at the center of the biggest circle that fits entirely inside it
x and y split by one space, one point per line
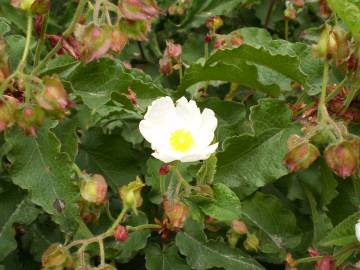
178 134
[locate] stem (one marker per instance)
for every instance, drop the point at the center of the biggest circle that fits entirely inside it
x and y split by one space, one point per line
65 35
286 29
337 90
41 40
307 260
162 184
323 114
269 12
182 180
144 227
232 92
350 97
181 75
102 252
206 51
27 43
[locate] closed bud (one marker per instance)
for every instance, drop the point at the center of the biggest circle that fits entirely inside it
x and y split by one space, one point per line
29 118
166 66
173 50
299 3
233 238
252 243
326 263
8 107
290 13
131 194
93 188
239 227
95 42
138 10
321 48
121 233
301 154
136 30
118 41
164 169
214 23
56 257
22 4
219 42
343 158
54 98
177 213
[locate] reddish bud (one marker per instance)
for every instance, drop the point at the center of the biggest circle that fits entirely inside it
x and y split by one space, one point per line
164 169
299 3
39 20
219 42
313 252
301 154
29 118
352 63
93 188
138 10
54 40
343 158
166 66
71 46
208 38
177 213
325 11
132 96
239 227
173 50
118 41
290 14
326 263
121 233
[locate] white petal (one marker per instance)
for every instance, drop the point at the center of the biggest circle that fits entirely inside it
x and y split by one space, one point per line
188 113
163 157
206 130
357 231
201 154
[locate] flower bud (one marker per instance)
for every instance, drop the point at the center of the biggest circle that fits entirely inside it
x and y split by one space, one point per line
118 41
252 243
136 30
8 108
214 23
290 13
138 10
239 227
326 263
173 50
166 66
56 257
177 213
22 4
299 3
54 99
219 42
357 230
233 238
301 154
321 49
343 158
93 189
29 118
121 233
164 169
325 10
95 42
131 194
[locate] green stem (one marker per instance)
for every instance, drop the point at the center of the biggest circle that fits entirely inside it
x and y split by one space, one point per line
181 74
144 227
65 35
162 185
102 251
307 260
21 65
41 40
349 98
182 180
323 113
232 92
286 29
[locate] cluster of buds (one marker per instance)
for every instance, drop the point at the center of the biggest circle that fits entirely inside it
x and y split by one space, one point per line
178 8
56 257
171 59
293 7
176 212
301 153
33 6
51 99
131 195
325 263
237 229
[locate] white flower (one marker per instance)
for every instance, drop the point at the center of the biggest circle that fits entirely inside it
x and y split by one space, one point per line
179 132
357 230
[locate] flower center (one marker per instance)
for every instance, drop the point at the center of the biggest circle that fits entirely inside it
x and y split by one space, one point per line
181 140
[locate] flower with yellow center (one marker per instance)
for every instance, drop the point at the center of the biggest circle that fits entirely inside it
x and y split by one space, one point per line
179 131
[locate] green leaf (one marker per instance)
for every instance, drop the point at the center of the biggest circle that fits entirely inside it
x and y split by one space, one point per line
4 26
225 205
97 81
166 258
207 171
15 45
66 133
268 68
206 254
275 223
349 12
15 208
38 165
251 161
109 155
342 234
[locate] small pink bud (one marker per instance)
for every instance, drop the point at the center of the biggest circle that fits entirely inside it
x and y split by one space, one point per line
166 66
93 188
239 227
121 233
173 50
326 263
208 38
219 42
164 169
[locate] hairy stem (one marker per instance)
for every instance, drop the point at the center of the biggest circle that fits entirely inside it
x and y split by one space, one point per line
41 40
